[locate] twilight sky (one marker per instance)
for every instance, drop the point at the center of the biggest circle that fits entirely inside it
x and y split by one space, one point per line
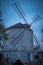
30 8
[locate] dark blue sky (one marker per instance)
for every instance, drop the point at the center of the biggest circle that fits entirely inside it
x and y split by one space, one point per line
30 8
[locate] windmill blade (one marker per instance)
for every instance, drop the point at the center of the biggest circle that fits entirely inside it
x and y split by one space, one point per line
18 38
20 12
35 19
16 11
18 5
37 42
13 35
20 8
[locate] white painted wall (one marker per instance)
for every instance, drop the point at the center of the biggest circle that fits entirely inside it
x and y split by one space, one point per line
26 43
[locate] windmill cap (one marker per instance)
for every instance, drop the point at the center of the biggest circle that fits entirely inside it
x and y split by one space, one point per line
19 25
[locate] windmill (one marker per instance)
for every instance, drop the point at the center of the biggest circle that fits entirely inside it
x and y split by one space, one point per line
21 13
15 39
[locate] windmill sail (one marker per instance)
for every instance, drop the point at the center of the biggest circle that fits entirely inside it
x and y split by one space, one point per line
15 40
37 18
20 8
19 11
37 42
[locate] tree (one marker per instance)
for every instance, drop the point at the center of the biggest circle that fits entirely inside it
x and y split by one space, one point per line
3 34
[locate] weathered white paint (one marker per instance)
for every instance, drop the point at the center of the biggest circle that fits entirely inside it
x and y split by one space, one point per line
26 43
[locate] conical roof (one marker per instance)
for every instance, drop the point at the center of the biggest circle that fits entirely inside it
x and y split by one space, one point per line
19 25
